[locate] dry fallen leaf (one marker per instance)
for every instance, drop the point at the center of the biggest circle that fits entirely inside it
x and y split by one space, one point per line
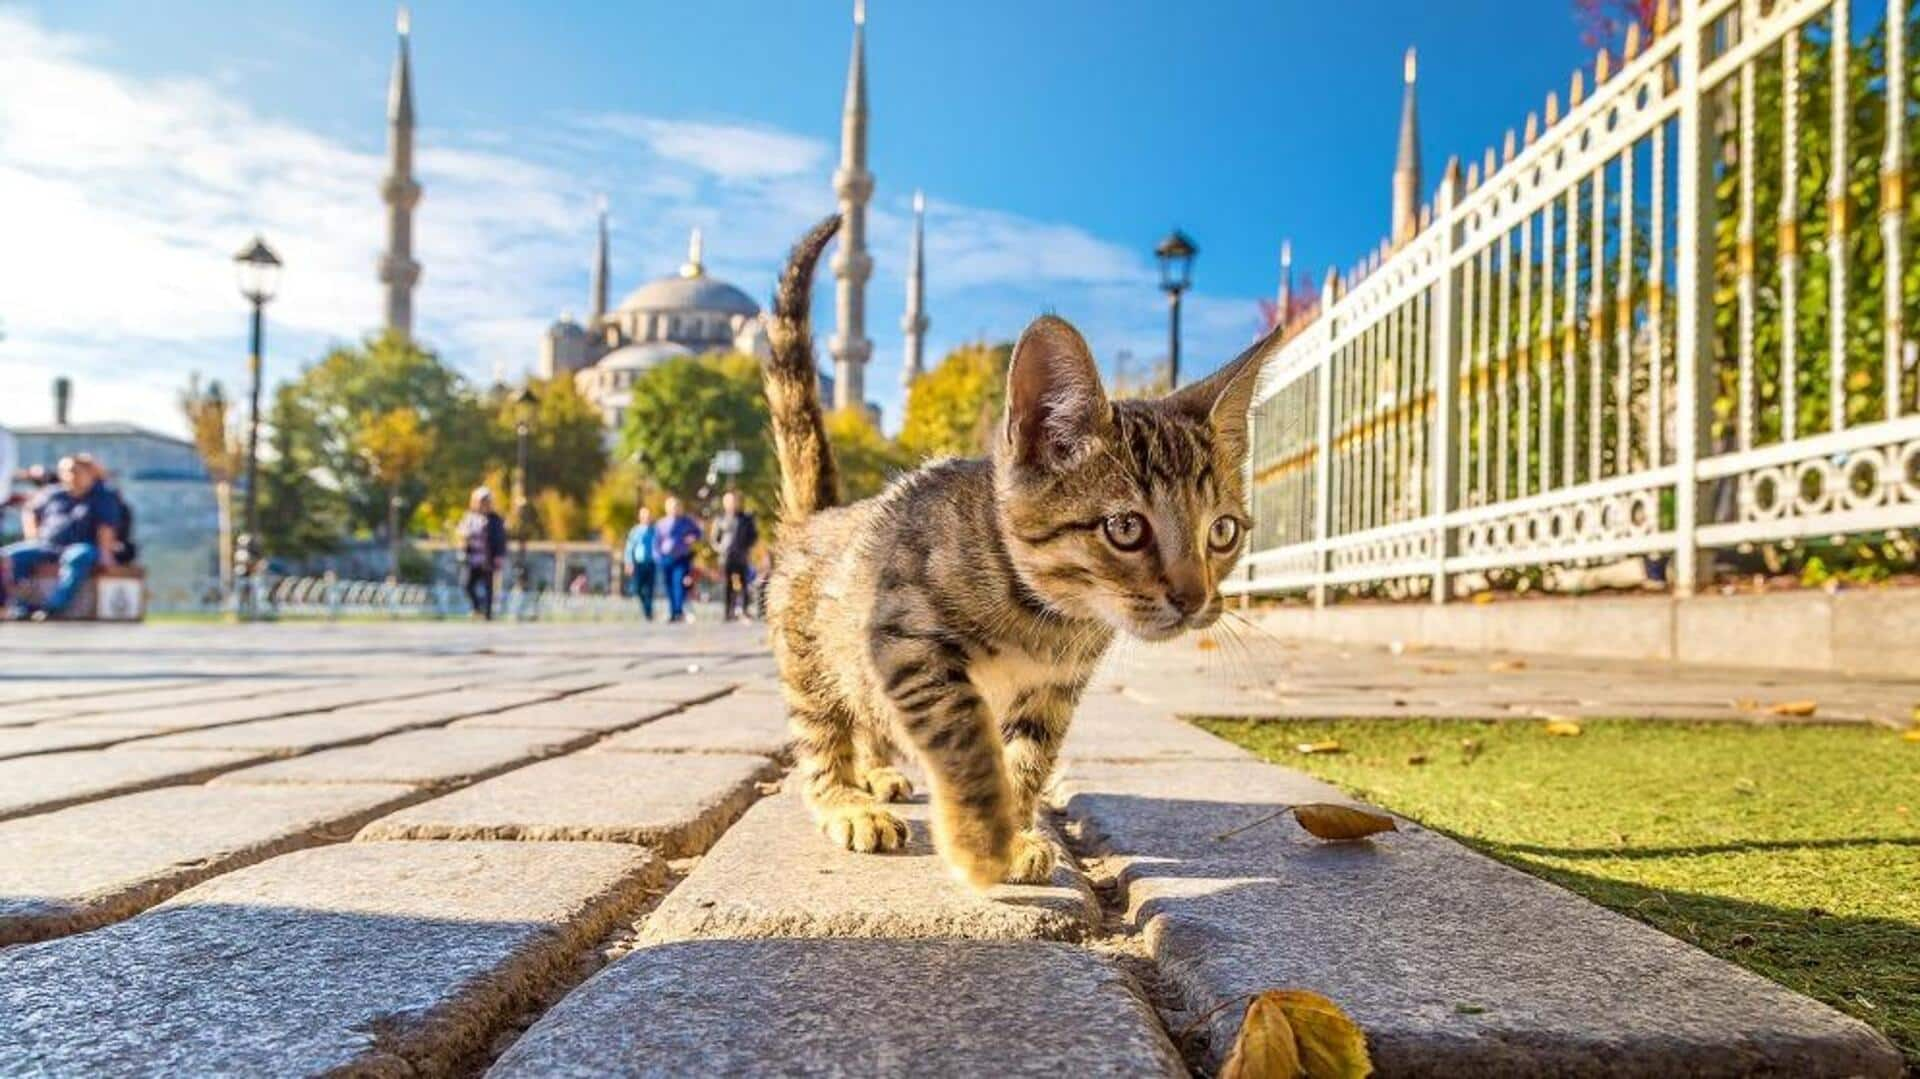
1482 598
1417 758
1912 734
1340 823
1265 1048
1294 1033
1563 727
1328 746
1507 665
1206 644
1795 708
1469 749
1746 704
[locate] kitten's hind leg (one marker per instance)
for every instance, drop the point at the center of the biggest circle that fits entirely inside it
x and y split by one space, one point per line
851 817
874 757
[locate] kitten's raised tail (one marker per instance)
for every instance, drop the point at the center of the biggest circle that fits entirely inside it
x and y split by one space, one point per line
808 479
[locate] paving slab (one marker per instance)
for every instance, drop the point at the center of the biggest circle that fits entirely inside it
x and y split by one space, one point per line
76 868
294 734
462 702
677 805
187 717
1452 963
53 738
669 689
428 758
775 875
573 714
853 1008
1112 727
735 723
54 780
365 959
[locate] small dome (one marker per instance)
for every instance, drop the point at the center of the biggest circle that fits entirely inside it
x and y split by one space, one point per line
675 294
641 357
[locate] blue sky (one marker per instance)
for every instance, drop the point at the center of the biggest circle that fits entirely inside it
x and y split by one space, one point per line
141 143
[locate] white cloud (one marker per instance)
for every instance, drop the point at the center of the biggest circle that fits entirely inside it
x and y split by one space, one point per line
122 200
727 151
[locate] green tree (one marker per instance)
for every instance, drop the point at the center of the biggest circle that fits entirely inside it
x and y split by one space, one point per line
688 408
867 459
566 442
300 516
952 409
335 397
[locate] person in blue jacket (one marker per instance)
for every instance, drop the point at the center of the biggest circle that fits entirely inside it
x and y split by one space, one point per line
74 525
674 540
642 566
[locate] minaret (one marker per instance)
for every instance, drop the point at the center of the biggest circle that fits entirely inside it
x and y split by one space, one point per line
1283 301
851 263
398 271
1406 168
602 260
915 323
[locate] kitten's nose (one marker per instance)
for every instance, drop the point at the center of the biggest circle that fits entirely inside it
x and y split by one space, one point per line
1187 596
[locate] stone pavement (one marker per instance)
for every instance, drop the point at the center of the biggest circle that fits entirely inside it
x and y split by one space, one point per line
564 850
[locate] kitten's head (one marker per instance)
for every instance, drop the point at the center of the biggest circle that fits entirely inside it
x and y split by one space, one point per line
1129 512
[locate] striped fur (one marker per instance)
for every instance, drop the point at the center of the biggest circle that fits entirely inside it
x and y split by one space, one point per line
959 614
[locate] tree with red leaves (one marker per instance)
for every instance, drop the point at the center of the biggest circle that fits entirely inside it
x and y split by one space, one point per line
1603 23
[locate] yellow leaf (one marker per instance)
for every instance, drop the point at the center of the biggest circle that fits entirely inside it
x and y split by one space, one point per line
1265 1047
1481 599
1563 727
1206 644
1795 708
1328 746
1330 1044
1912 734
1338 822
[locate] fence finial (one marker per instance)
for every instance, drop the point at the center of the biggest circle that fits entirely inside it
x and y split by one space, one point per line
1632 47
1553 108
1578 91
1489 163
1507 149
1533 128
1662 17
1602 68
1473 176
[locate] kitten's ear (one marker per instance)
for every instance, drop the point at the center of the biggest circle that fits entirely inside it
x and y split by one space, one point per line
1055 406
1225 397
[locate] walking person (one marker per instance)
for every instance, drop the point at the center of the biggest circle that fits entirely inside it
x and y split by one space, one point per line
483 534
674 541
734 535
642 564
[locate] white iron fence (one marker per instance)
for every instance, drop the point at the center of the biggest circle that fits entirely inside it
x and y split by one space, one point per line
1678 316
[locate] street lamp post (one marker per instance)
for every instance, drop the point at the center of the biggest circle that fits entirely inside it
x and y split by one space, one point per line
524 405
1176 276
258 271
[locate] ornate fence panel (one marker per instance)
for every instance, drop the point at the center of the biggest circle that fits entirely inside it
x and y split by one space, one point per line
1677 316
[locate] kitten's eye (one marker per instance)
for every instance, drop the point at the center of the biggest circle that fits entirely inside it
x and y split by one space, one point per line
1126 531
1224 536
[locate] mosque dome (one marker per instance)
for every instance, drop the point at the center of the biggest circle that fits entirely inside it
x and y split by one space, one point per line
640 357
690 290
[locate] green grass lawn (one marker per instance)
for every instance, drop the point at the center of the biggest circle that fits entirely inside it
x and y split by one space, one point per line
1793 851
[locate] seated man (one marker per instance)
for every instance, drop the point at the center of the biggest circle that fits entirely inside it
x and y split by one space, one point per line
75 524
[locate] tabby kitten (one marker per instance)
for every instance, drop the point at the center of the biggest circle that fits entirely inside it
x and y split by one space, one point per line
960 612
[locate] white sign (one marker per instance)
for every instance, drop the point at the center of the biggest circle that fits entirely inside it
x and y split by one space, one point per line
729 462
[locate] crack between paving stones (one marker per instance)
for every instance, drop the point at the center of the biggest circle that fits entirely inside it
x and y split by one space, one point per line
1117 943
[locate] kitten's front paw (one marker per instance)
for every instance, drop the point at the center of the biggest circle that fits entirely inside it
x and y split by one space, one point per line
865 829
887 784
1032 862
